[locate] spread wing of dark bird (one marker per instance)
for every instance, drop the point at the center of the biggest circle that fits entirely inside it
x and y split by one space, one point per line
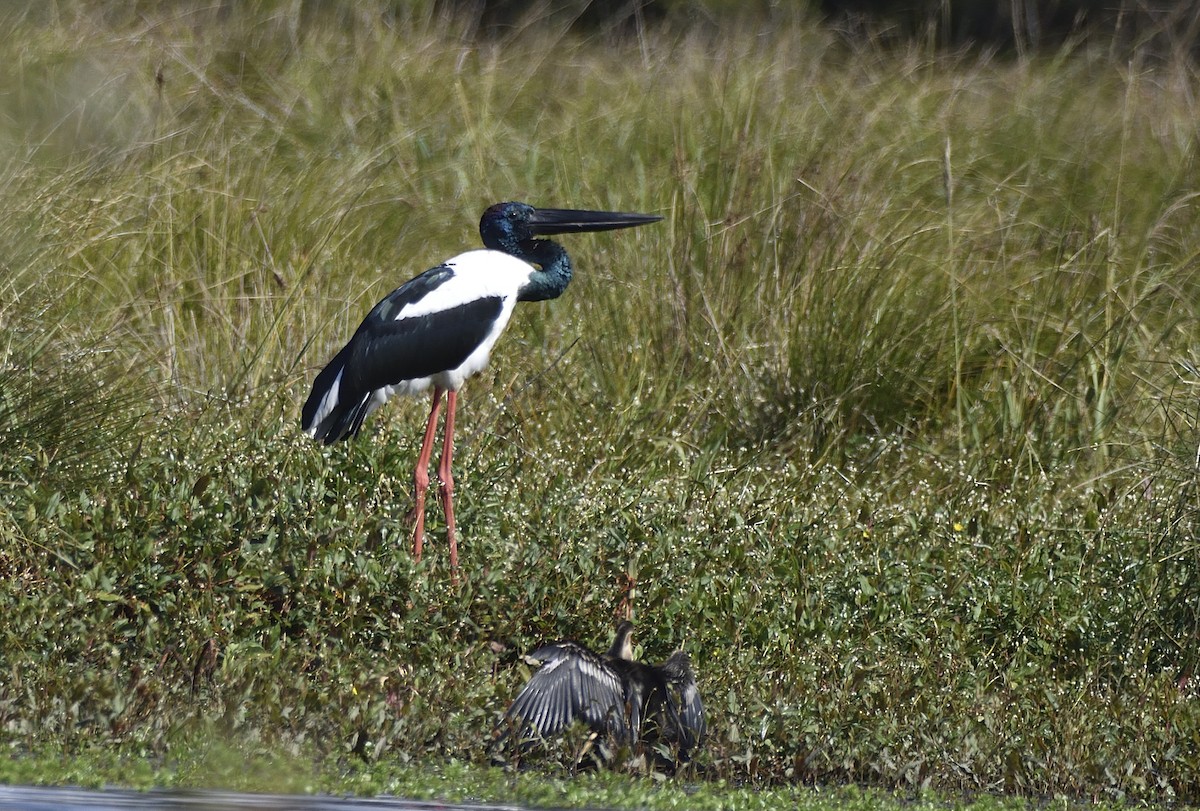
573 683
626 700
684 701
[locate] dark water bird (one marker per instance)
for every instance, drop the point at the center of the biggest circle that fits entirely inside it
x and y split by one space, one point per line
632 702
439 329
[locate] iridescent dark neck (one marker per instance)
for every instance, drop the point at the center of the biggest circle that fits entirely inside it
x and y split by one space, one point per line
555 273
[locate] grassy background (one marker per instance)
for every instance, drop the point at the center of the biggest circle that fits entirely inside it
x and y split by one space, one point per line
892 419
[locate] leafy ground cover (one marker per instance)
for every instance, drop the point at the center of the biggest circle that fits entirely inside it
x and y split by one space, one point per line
252 770
892 421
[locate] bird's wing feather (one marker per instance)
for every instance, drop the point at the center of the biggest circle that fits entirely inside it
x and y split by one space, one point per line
441 321
409 294
385 352
684 699
411 348
338 402
572 684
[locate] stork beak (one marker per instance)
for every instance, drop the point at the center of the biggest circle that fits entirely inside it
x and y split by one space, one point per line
545 221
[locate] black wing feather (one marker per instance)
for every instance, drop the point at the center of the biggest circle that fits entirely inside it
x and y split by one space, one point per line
387 350
572 684
683 701
612 694
387 353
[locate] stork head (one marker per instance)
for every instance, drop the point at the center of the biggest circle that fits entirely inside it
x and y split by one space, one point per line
505 226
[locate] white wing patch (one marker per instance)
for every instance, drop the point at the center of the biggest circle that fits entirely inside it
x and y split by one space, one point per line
328 403
477 274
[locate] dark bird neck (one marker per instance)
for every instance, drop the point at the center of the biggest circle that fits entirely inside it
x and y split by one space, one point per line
555 275
555 268
622 646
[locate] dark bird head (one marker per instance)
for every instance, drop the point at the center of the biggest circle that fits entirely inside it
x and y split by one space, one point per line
509 227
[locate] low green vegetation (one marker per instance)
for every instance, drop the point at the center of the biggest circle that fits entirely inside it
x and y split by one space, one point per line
892 420
252 769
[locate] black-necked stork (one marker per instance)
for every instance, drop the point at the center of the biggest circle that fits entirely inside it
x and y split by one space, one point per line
439 328
611 693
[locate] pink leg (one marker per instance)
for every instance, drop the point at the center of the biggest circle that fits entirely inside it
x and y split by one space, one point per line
421 476
446 489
